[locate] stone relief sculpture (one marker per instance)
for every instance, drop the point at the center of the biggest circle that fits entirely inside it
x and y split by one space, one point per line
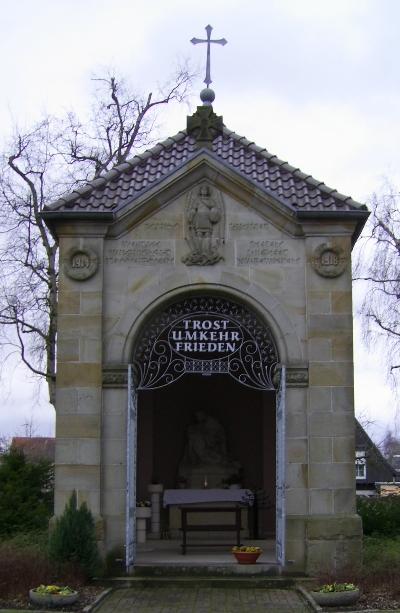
206 442
204 226
329 260
81 263
206 453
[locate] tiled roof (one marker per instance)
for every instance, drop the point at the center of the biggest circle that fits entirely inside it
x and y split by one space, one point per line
276 177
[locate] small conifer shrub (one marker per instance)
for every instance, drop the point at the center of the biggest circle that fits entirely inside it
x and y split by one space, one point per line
73 538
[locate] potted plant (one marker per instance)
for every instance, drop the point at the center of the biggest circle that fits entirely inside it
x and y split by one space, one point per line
143 512
246 554
143 509
336 594
53 595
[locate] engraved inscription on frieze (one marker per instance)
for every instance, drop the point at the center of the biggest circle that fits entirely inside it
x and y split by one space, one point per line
247 227
168 226
204 226
158 228
144 252
265 252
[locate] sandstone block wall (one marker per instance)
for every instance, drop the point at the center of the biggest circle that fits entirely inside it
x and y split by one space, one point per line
267 263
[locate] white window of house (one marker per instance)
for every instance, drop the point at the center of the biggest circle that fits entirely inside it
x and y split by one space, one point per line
361 465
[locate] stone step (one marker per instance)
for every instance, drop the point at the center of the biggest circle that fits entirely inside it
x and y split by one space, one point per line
206 570
242 581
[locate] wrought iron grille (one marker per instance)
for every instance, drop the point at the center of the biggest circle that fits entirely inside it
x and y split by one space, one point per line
251 360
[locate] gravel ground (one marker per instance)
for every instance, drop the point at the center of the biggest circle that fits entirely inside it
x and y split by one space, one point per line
379 599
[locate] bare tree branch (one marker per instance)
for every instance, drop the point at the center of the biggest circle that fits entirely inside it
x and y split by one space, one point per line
378 270
54 157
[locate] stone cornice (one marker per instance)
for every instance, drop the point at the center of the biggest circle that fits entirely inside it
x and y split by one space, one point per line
116 375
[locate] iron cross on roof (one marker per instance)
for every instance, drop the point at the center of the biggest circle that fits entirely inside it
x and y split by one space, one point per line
208 40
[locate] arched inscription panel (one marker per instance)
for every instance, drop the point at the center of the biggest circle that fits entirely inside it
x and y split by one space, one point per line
205 335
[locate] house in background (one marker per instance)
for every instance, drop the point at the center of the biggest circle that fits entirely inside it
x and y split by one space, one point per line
373 471
396 464
35 447
374 474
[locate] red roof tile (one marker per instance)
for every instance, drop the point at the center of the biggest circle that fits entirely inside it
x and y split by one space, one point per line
276 177
35 447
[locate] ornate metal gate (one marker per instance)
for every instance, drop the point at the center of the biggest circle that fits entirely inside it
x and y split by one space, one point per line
204 335
131 439
280 470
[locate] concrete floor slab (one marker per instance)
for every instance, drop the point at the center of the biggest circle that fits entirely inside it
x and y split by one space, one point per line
169 551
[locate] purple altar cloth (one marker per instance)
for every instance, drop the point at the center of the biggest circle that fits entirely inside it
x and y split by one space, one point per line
207 496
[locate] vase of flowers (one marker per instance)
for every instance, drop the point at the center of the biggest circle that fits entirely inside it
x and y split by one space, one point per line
246 554
53 595
336 594
143 512
143 509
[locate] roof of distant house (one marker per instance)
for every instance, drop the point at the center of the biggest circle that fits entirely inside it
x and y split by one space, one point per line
35 447
379 468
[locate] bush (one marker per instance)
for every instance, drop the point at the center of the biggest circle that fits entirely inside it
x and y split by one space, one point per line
73 538
24 564
380 515
22 569
36 540
381 565
26 488
380 571
381 555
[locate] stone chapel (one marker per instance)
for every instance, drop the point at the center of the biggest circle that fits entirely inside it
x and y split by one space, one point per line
205 342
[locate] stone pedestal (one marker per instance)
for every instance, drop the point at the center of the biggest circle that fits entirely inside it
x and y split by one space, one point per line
142 513
155 490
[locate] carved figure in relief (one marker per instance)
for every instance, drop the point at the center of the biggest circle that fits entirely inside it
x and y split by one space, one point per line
206 453
204 221
206 442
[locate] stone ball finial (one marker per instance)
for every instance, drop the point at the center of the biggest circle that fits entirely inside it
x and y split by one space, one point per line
207 96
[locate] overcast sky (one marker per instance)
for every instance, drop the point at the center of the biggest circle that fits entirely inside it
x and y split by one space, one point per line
314 81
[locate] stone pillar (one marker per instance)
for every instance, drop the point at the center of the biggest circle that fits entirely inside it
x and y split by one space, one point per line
297 493
79 366
333 530
142 515
155 489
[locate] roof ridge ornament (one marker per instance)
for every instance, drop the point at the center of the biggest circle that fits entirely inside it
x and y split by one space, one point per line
207 95
204 125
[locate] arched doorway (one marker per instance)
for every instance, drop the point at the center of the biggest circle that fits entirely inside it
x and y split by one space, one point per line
206 351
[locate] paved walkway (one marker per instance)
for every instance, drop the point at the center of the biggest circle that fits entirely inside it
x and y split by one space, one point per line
202 600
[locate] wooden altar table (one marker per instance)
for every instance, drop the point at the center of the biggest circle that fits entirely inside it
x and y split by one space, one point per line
227 501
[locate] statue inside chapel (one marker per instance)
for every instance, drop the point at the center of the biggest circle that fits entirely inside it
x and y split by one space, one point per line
206 441
204 222
206 457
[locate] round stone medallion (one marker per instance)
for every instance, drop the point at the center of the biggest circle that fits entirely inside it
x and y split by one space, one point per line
81 263
329 260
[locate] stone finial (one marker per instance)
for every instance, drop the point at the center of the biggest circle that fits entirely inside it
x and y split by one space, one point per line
204 125
207 96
